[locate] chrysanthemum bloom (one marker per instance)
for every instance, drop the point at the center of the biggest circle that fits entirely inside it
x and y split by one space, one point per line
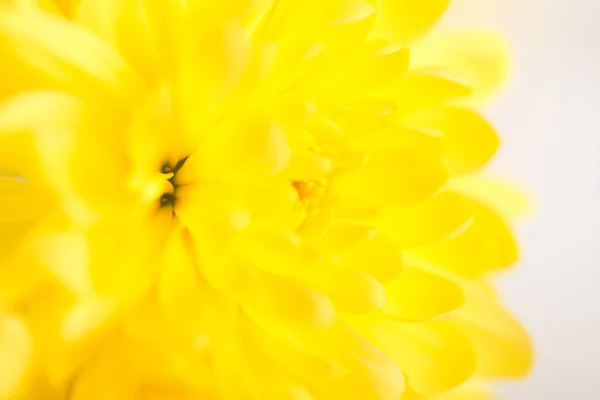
239 199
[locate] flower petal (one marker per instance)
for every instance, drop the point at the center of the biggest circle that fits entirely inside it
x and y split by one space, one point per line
406 20
359 292
420 295
395 177
505 197
307 166
425 222
124 24
20 201
435 356
503 347
479 57
34 55
470 140
371 374
424 88
290 303
486 243
16 348
378 257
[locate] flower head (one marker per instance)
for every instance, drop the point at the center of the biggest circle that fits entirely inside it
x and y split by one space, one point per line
248 200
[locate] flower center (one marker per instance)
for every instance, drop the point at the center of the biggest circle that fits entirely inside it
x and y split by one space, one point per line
312 200
169 198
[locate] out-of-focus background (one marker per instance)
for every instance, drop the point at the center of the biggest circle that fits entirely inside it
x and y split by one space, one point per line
549 118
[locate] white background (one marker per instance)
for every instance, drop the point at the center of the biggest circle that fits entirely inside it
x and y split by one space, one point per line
549 117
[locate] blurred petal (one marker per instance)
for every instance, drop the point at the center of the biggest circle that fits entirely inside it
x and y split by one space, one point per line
505 197
503 347
425 222
16 349
406 20
435 356
395 177
485 243
470 140
34 55
420 295
480 58
20 201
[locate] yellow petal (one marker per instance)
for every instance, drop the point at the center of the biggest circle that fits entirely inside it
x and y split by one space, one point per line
420 295
378 257
395 177
505 197
167 23
435 356
20 201
290 302
213 58
87 316
485 243
428 143
16 349
290 355
20 273
470 140
405 20
106 376
480 58
254 144
17 154
503 347
359 292
34 55
307 166
125 25
471 390
25 121
68 7
340 237
66 256
371 374
424 87
425 222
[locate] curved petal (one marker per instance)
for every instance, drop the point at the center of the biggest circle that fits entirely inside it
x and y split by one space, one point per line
395 177
106 375
20 201
420 295
507 198
425 222
435 356
480 58
484 244
406 20
378 257
354 291
471 390
503 347
371 374
34 56
123 24
16 349
470 140
421 88
289 302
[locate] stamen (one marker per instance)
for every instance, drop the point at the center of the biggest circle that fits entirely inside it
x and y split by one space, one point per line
166 168
167 199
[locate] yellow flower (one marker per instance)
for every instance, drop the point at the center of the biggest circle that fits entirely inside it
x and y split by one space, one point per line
248 200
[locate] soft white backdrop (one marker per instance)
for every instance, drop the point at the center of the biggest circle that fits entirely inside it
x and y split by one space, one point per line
549 116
